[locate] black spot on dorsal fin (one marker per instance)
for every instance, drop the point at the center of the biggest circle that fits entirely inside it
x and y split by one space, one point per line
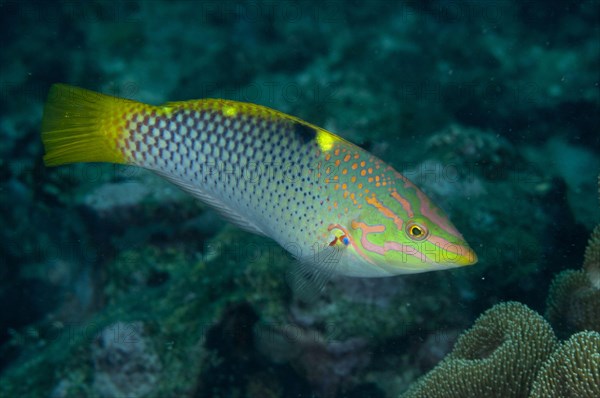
304 133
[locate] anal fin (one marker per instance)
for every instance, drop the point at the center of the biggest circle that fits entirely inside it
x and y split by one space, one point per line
226 211
309 276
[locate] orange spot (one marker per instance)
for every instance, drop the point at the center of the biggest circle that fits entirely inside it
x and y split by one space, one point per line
335 204
346 194
384 183
337 162
360 185
328 156
367 228
353 179
347 158
336 187
356 156
360 206
385 211
336 152
344 186
370 179
354 166
328 170
352 196
363 163
335 178
345 171
318 175
363 173
377 184
370 170
327 180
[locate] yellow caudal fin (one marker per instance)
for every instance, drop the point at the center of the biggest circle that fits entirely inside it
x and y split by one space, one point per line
83 126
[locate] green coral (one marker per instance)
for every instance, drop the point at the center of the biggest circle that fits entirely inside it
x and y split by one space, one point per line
573 370
591 260
573 301
573 304
498 357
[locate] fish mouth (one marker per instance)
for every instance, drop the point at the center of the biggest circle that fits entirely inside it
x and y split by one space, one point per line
468 257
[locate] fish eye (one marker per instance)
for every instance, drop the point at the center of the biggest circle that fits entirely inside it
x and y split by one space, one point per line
416 231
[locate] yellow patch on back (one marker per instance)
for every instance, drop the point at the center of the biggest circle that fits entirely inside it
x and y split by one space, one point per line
229 110
325 140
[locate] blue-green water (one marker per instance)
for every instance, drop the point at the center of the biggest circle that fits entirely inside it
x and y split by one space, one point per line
114 283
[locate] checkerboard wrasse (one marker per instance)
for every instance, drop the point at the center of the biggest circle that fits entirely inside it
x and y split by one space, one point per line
336 207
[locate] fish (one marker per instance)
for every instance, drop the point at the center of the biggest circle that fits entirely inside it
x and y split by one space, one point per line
338 209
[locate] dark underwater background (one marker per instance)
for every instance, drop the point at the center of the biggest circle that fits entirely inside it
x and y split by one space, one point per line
114 283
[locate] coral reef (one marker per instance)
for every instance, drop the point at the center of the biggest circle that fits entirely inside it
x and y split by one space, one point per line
573 303
498 357
463 147
591 260
572 371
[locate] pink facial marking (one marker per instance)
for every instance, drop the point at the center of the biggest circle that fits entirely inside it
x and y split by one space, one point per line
430 212
411 251
367 229
406 249
404 203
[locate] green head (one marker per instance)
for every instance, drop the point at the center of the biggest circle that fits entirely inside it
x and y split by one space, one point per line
401 231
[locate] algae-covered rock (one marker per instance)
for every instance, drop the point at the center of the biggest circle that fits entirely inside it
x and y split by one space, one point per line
498 357
125 363
147 340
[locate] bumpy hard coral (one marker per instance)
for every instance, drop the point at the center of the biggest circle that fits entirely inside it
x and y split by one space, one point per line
573 303
591 260
573 370
498 357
